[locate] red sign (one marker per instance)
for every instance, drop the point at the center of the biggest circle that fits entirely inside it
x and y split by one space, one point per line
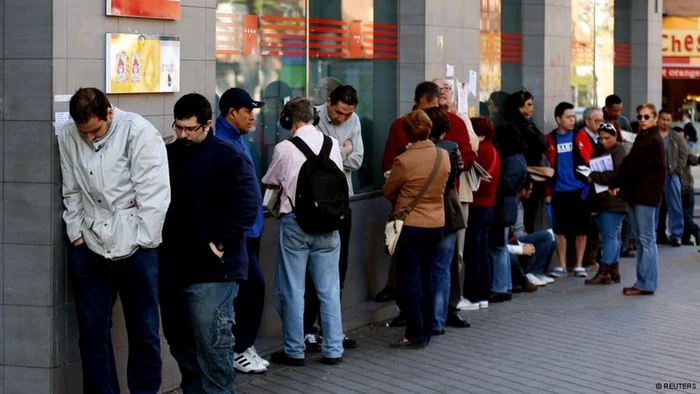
156 9
680 73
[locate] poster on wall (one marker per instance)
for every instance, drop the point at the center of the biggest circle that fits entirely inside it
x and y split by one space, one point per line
156 9
138 63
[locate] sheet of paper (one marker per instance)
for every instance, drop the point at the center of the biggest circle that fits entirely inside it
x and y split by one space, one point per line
629 137
449 71
601 164
62 98
472 82
286 99
462 98
583 170
61 119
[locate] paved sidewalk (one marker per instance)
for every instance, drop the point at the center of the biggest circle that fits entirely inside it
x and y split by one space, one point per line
565 338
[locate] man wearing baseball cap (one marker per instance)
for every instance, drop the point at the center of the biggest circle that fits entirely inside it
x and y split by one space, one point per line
236 119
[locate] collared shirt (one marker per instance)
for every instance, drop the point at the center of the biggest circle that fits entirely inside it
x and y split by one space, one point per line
287 161
116 191
228 133
595 137
348 130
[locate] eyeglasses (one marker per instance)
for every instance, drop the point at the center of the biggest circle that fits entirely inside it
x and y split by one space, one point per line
446 88
190 129
606 126
645 117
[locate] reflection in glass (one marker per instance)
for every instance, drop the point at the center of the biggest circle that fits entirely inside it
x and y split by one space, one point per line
261 47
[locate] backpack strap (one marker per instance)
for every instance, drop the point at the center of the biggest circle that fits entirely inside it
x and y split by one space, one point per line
301 145
326 148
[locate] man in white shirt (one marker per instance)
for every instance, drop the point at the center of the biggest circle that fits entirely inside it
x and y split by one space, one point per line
337 119
299 249
116 191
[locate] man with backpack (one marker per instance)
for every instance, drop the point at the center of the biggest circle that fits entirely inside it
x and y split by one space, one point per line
313 191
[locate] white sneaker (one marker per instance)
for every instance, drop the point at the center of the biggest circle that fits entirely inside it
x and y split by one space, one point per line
483 304
466 305
261 360
535 280
544 278
247 363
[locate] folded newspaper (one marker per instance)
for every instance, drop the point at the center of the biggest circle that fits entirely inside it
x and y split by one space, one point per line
475 175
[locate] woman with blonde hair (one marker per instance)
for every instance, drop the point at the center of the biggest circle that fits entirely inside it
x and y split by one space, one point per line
415 186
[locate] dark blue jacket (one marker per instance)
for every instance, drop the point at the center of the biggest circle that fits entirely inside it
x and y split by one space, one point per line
214 199
228 133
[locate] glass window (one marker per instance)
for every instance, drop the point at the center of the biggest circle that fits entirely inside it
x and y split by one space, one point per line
261 46
592 52
490 50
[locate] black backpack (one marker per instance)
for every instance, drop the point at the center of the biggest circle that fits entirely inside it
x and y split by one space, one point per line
322 197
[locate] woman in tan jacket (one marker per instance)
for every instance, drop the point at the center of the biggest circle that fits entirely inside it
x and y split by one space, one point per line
422 165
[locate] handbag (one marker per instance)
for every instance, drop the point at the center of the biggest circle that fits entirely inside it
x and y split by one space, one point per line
394 225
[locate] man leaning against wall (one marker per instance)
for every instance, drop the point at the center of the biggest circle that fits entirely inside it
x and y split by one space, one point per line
116 192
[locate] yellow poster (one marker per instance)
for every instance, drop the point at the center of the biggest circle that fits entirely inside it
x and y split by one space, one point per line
138 63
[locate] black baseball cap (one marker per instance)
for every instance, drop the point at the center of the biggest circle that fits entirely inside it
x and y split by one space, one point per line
237 98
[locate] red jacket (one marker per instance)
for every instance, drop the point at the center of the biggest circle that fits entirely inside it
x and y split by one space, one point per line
583 149
397 141
488 159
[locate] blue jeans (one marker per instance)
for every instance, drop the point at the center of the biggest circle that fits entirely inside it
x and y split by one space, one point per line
689 226
477 261
502 280
674 206
197 323
96 282
545 245
441 272
415 253
250 302
609 225
320 253
643 225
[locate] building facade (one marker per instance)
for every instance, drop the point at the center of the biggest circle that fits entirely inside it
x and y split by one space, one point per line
276 50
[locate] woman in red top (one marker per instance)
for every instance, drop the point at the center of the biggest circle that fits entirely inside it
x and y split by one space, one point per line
477 279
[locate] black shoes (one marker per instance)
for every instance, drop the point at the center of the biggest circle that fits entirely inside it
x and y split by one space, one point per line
454 319
406 344
500 297
281 357
349 343
676 243
399 321
331 361
387 294
627 254
439 332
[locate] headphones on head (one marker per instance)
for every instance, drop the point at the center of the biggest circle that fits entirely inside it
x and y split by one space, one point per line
286 118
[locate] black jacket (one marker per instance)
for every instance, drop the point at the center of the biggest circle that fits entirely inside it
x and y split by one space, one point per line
214 199
454 219
690 132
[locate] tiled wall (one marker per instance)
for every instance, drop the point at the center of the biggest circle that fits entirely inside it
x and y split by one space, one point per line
433 33
47 48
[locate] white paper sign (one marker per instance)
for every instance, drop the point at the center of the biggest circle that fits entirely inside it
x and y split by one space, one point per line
62 98
601 164
462 98
61 119
286 99
449 71
472 82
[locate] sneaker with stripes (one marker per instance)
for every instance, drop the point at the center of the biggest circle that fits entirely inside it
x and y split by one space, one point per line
246 362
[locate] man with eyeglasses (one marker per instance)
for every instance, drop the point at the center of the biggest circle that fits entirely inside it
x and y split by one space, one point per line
233 124
215 203
116 193
592 119
337 119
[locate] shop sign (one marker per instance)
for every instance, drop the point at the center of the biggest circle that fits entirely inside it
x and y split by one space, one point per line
156 9
680 73
138 63
680 43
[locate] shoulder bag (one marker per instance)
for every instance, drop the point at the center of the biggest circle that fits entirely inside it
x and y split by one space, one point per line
392 231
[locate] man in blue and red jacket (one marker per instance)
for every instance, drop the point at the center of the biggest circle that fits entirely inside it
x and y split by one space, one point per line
568 191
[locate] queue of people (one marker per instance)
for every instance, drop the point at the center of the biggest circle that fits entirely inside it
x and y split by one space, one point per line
175 230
